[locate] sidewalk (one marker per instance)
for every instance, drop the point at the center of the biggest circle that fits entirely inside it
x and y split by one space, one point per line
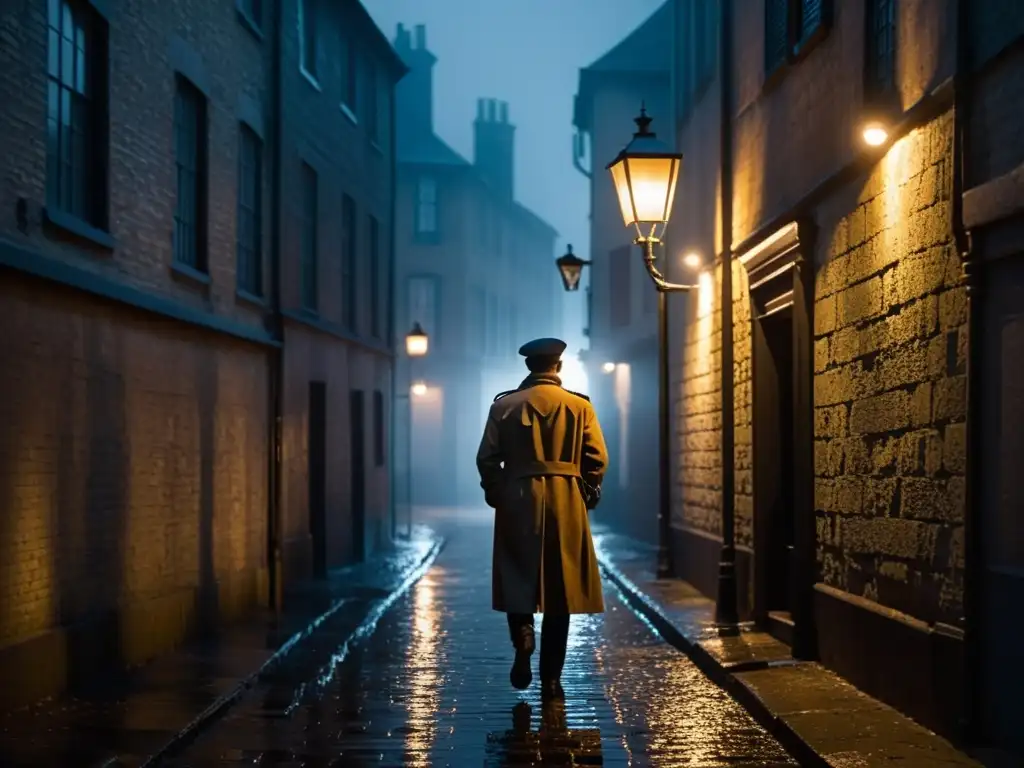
819 717
171 699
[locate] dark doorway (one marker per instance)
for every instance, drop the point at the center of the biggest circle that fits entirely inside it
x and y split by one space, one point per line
774 470
317 457
357 422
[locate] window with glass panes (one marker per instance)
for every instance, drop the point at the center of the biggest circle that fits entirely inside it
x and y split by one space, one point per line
375 286
880 56
310 237
190 163
249 224
76 106
349 74
348 262
426 206
788 24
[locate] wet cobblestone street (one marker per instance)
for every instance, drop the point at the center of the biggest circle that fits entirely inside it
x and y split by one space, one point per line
428 685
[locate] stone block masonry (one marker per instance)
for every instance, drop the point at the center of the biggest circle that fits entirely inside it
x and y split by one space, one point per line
890 387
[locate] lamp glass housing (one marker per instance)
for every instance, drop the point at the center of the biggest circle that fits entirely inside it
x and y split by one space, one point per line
417 343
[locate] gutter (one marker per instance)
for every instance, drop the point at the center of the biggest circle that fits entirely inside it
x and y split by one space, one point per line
970 725
276 372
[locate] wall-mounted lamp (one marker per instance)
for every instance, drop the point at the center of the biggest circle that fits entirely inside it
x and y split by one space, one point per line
608 367
419 389
417 343
570 267
875 133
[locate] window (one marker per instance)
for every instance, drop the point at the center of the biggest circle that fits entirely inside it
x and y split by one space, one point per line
308 41
790 25
348 262
310 239
190 160
426 206
622 289
349 76
249 224
375 287
76 112
423 305
373 100
252 10
378 428
880 56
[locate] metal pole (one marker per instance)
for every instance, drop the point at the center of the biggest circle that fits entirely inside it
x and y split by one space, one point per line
665 569
408 462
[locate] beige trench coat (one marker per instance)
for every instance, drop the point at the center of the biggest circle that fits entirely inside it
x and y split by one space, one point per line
540 440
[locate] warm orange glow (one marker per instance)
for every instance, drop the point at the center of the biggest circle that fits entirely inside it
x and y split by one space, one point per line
608 367
646 185
875 134
424 662
419 389
692 260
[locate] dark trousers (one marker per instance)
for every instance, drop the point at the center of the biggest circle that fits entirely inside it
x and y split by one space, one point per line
554 636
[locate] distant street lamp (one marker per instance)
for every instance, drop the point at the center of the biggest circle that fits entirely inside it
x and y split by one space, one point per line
645 174
570 267
417 344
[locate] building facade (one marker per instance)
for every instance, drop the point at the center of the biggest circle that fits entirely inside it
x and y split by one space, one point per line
825 443
475 269
142 500
622 359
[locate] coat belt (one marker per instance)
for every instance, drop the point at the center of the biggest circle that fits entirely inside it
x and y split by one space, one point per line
542 468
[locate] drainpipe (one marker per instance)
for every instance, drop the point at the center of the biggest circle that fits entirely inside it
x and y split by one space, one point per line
393 314
973 549
726 610
276 383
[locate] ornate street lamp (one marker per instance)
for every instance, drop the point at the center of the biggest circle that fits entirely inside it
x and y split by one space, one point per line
570 267
417 344
645 174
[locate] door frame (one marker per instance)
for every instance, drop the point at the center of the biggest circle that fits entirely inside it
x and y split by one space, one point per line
780 276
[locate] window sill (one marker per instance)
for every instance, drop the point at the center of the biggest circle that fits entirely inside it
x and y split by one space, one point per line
245 297
249 23
346 110
311 79
72 225
188 274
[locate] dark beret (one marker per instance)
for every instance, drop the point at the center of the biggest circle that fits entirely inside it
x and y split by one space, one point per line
543 348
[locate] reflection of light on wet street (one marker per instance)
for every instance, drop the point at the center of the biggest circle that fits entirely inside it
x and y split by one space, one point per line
423 662
430 688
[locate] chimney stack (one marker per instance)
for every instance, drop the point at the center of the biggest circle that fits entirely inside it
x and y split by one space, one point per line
414 95
493 145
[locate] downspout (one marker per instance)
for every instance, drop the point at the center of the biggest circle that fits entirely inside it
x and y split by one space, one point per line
973 550
726 609
276 384
393 314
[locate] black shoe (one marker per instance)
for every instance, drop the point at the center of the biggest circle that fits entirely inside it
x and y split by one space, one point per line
521 676
551 690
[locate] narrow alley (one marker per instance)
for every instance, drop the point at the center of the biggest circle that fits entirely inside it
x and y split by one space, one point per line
429 686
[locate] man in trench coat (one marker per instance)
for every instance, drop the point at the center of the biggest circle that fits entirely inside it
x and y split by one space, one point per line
541 462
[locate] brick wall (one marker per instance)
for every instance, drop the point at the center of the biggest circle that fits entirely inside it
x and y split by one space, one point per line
889 389
132 475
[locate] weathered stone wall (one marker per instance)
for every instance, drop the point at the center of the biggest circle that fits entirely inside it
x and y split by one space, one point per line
743 448
889 388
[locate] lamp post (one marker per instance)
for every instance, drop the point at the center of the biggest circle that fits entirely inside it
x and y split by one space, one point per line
645 173
570 268
417 344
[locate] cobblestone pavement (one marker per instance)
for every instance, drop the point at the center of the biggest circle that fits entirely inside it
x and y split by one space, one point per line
429 686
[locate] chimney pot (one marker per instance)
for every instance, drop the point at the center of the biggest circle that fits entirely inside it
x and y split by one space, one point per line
480 109
421 37
491 105
504 111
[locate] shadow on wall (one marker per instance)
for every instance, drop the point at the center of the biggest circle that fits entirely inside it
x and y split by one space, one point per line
91 502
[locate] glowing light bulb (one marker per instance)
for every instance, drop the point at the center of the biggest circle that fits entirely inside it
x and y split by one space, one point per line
419 389
875 134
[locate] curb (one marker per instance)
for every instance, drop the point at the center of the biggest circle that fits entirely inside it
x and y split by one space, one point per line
220 706
798 747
